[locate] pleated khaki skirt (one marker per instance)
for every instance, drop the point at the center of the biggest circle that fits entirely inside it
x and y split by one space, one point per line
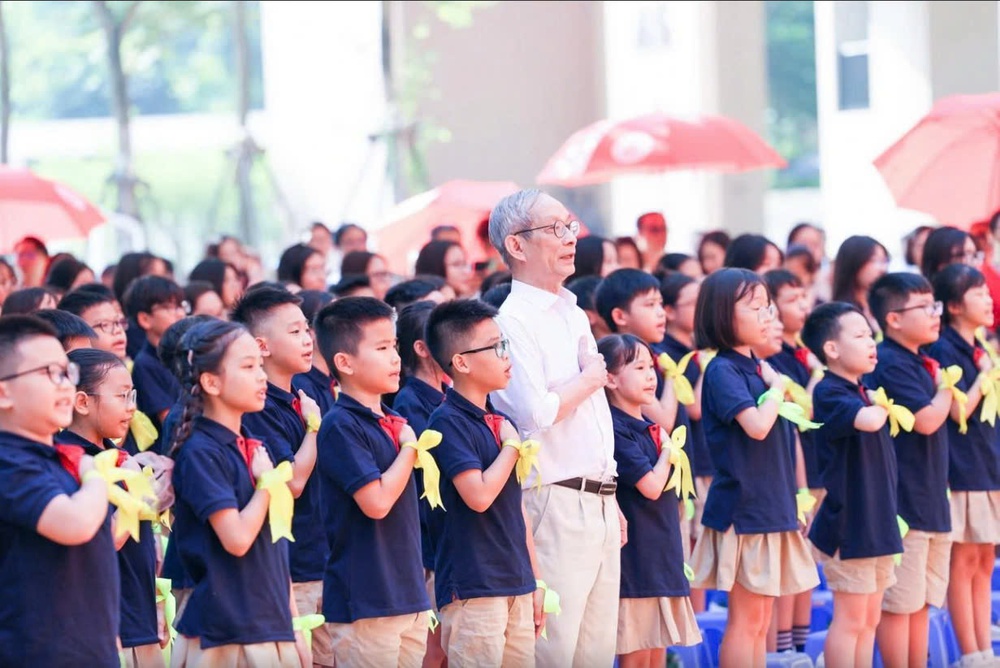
975 517
188 653
770 564
652 623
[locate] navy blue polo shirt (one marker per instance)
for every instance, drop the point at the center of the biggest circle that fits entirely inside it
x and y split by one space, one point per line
375 568
973 457
415 401
754 484
156 388
236 600
44 582
653 557
170 422
136 566
697 448
786 363
318 386
280 426
479 554
135 338
858 514
922 460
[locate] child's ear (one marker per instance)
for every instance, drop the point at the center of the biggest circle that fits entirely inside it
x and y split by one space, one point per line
459 364
421 349
81 403
954 308
343 364
144 320
892 321
210 384
6 400
619 317
670 312
830 350
612 383
262 344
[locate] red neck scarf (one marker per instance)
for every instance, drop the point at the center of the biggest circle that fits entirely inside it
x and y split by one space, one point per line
494 422
931 365
247 446
392 425
654 431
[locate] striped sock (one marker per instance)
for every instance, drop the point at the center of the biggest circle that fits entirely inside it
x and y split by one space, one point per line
785 641
800 634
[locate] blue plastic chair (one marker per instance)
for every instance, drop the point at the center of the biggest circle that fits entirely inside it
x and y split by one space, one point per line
815 643
822 610
713 626
788 660
938 642
695 656
996 575
822 579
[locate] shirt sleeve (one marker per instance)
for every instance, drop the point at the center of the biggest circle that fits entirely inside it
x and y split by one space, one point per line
633 463
527 397
206 483
156 389
836 410
264 428
728 392
906 384
345 456
455 454
26 489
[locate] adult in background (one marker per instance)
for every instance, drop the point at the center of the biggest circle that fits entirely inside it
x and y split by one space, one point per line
302 267
754 252
447 259
652 238
32 261
595 256
371 265
556 396
712 250
225 280
813 238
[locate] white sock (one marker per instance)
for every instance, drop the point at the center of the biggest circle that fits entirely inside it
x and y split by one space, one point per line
972 659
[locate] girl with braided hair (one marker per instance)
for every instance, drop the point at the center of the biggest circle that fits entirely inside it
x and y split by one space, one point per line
240 609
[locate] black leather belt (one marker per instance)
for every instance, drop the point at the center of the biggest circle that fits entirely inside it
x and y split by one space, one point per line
591 486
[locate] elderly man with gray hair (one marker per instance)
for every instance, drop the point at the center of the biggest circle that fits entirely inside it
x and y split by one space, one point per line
555 396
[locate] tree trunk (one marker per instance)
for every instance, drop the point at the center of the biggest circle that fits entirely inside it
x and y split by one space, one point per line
4 90
124 175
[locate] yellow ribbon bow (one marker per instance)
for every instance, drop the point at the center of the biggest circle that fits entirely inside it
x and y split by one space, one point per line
527 459
688 572
904 529
706 355
131 502
143 431
790 410
281 505
990 385
432 474
804 503
949 377
306 624
987 346
432 621
550 602
798 394
688 509
681 479
900 417
674 371
165 595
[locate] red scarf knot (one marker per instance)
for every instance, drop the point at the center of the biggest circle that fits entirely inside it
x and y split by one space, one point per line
932 365
802 355
69 457
654 432
392 425
494 422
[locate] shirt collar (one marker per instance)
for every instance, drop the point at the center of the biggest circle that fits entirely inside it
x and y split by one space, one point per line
278 394
67 437
319 377
955 339
350 403
214 430
892 344
787 348
10 439
831 377
456 400
541 299
636 425
745 364
425 392
670 343
149 349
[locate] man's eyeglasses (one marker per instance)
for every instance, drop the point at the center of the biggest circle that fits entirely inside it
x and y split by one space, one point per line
934 309
128 397
558 228
500 348
112 326
173 306
57 373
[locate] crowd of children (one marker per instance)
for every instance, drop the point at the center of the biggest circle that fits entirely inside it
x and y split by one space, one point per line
320 479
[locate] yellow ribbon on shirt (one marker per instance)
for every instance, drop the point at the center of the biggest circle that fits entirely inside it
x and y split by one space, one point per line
987 346
798 394
527 459
900 417
674 372
790 410
137 499
804 503
550 602
281 505
989 383
904 529
432 474
143 431
681 479
306 624
949 377
706 355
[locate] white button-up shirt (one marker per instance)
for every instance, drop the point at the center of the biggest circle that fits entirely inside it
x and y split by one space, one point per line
544 331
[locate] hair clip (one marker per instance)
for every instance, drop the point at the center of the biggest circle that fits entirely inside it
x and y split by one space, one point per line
191 357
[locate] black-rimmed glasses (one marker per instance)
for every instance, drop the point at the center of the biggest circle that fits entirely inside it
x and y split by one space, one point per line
57 373
112 326
500 348
559 228
933 309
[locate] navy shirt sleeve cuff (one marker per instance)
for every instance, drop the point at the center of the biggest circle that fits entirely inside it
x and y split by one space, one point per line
361 481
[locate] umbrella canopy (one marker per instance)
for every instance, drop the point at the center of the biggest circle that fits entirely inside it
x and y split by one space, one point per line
462 204
948 164
657 143
31 205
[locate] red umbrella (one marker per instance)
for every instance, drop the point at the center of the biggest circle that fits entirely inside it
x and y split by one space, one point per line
31 205
948 164
656 143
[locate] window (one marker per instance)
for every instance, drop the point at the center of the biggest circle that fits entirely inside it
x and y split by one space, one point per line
852 54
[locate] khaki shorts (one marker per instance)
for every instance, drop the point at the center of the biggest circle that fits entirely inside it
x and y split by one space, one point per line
309 601
144 656
187 653
922 574
654 623
975 517
377 642
867 575
701 485
489 631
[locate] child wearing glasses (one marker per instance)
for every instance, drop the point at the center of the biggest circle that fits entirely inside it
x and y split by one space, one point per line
102 411
60 576
154 303
973 457
374 599
97 306
485 568
751 545
904 306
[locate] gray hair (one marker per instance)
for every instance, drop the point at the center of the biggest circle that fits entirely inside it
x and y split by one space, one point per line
511 214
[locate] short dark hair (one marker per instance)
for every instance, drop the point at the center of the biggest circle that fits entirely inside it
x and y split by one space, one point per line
349 283
210 270
356 262
67 325
15 329
780 278
671 262
853 254
340 325
254 306
438 230
940 249
169 348
413 290
714 313
799 251
495 279
94 367
671 286
431 257
584 288
589 256
25 301
338 235
747 251
130 267
801 227
951 284
195 289
892 291
312 302
620 350
824 324
910 242
63 272
293 261
619 289
409 329
497 295
146 292
86 297
450 324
